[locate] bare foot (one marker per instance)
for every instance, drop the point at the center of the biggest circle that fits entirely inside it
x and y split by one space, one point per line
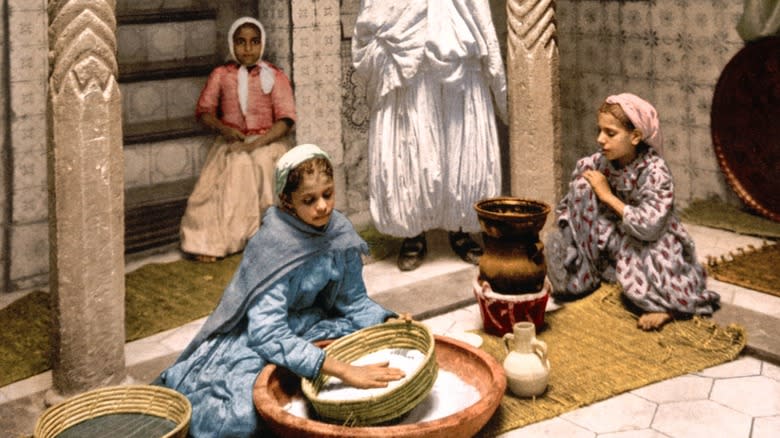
653 320
205 258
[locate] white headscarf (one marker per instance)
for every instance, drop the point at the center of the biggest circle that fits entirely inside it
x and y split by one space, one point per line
644 117
266 72
292 158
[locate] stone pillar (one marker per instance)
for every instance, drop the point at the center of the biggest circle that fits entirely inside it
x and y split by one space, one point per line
534 100
86 197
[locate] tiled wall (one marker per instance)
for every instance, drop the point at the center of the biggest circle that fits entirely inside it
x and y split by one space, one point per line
669 51
27 261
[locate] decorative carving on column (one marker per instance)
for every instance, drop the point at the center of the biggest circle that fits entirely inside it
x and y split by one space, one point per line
86 197
534 100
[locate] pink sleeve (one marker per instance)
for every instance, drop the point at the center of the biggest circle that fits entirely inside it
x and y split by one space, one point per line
282 96
209 96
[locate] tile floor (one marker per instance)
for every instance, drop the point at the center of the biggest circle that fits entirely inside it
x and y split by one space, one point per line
734 400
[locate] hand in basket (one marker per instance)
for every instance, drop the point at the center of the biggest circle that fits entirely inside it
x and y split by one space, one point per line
401 317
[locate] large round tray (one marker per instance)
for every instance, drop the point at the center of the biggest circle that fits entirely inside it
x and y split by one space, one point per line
745 125
275 387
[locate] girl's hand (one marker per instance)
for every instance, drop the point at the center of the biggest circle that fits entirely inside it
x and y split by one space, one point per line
371 376
598 182
231 134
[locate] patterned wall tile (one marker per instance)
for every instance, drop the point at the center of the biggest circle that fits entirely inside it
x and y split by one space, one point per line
145 101
701 105
29 64
669 61
666 19
672 102
634 17
274 14
324 40
317 69
30 249
591 18
676 148
328 12
702 151
170 161
638 57
30 205
28 98
27 5
704 63
131 43
137 165
166 41
26 28
201 38
182 96
29 133
304 13
29 168
700 20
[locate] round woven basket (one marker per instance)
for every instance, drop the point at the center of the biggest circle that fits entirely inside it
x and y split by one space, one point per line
155 401
386 406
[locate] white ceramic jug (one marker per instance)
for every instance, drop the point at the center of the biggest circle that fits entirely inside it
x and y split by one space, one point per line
527 367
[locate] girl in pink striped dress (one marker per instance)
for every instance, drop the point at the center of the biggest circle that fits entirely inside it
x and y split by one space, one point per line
250 104
618 223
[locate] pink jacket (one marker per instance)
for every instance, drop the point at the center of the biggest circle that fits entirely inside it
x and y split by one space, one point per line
220 97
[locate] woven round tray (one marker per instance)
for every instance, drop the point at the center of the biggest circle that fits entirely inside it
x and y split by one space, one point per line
162 411
387 406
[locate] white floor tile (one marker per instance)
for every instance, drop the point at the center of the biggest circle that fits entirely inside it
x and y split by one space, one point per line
620 413
757 396
701 419
555 427
768 427
741 367
688 387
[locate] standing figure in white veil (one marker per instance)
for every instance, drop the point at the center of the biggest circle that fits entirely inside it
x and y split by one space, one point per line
434 77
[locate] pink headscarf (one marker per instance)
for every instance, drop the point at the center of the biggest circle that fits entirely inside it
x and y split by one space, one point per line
644 117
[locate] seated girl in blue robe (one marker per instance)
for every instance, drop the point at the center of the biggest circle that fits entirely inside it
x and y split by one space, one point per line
300 280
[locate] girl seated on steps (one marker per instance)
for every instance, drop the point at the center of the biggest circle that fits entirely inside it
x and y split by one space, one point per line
618 222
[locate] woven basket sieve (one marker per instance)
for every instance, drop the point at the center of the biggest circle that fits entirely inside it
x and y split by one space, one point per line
151 400
387 406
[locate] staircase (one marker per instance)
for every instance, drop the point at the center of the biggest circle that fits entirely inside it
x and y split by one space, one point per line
165 54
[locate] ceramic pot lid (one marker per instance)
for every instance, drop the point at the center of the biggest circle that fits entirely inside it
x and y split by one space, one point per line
745 125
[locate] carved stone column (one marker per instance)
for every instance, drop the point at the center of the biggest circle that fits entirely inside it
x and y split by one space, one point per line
534 100
86 197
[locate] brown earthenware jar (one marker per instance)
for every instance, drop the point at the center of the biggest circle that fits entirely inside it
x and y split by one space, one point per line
513 260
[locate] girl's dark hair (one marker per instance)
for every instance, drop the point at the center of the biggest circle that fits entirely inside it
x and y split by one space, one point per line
295 177
617 112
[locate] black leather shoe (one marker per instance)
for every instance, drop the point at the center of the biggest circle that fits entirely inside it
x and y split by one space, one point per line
412 252
465 247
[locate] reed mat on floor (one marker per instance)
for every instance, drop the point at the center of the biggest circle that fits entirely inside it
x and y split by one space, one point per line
158 297
596 352
752 268
715 213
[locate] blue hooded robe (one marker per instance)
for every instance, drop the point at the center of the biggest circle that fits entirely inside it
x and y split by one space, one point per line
295 284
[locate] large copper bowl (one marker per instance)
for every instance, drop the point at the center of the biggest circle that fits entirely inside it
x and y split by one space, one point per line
275 387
